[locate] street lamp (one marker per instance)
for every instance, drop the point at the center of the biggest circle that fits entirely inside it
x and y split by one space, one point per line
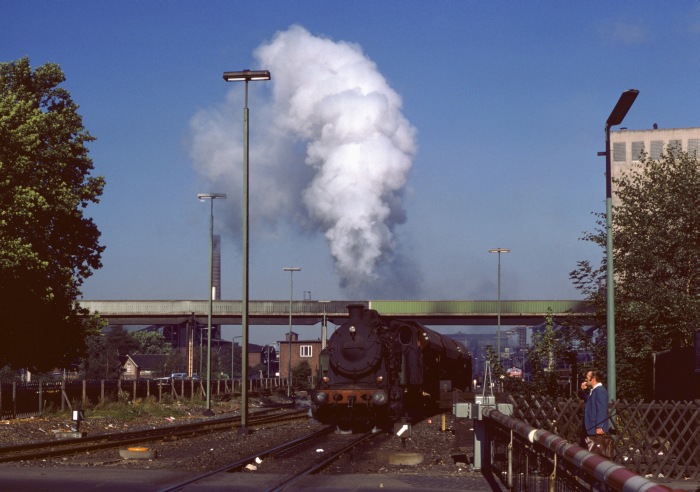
499 251
616 116
324 326
211 197
245 76
291 271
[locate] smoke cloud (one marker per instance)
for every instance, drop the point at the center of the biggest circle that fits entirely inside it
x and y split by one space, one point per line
336 158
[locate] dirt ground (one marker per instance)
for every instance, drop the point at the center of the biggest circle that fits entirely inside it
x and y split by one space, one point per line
440 450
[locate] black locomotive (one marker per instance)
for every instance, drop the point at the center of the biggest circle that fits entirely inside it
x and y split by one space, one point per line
377 370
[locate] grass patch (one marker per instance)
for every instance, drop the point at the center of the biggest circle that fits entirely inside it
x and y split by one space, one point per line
143 407
127 410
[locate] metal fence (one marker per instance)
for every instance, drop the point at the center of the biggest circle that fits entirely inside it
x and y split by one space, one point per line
22 400
660 440
526 458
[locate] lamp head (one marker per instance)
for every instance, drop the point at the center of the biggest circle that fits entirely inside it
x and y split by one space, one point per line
213 196
622 107
499 250
246 75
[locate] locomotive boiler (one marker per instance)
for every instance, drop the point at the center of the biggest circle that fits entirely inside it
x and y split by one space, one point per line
377 370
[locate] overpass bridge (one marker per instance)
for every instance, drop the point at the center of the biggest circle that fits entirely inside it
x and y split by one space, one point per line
308 312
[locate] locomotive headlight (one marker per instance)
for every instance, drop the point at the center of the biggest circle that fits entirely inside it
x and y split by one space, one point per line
320 397
352 329
379 398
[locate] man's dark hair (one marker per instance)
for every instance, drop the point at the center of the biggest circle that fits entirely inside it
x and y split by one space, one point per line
597 375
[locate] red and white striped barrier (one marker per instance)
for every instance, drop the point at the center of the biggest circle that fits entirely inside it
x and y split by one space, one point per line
615 476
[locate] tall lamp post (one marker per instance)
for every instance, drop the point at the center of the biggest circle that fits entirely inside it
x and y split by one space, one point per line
616 116
291 271
324 325
245 76
211 197
499 251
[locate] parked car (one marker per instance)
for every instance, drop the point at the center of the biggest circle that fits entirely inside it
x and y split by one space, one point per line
183 375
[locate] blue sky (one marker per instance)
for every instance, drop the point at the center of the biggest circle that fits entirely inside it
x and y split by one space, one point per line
500 105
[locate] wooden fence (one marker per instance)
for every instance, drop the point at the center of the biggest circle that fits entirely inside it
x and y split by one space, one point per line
21 400
653 439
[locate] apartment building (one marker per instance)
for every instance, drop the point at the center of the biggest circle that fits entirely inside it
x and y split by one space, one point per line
627 145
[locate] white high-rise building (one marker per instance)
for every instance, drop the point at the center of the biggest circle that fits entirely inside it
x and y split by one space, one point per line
627 145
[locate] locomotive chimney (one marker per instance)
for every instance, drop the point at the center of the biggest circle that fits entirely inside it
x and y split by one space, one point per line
355 312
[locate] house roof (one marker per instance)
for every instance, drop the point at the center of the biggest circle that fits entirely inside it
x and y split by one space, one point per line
149 361
282 343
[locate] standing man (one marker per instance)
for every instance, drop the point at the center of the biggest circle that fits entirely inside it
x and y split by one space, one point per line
595 414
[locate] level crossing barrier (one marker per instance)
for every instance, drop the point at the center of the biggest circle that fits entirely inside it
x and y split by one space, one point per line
526 458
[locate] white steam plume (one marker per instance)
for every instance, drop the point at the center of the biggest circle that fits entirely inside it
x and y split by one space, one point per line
330 98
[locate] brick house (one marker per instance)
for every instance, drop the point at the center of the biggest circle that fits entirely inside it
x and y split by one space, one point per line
143 366
255 354
307 350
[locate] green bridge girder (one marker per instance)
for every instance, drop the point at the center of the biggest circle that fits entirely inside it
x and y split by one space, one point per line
308 312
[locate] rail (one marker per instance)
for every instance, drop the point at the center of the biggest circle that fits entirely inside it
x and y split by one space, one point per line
527 458
237 465
68 446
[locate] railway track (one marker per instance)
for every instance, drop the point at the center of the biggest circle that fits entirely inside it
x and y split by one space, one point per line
293 460
50 449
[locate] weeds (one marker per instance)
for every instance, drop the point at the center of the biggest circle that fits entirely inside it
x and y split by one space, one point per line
125 409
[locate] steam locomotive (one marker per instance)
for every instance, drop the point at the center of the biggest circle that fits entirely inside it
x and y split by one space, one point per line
377 370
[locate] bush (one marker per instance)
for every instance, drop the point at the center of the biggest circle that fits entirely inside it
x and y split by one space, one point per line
301 376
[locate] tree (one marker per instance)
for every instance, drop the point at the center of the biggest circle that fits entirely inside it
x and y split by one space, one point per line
551 351
656 231
176 361
104 351
47 246
301 375
151 342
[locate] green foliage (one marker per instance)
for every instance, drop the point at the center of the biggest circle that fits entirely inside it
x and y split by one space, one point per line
47 246
551 351
237 358
543 355
497 369
8 375
151 342
104 351
127 409
656 236
301 376
175 362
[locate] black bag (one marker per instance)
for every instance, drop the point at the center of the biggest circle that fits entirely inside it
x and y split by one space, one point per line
601 444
